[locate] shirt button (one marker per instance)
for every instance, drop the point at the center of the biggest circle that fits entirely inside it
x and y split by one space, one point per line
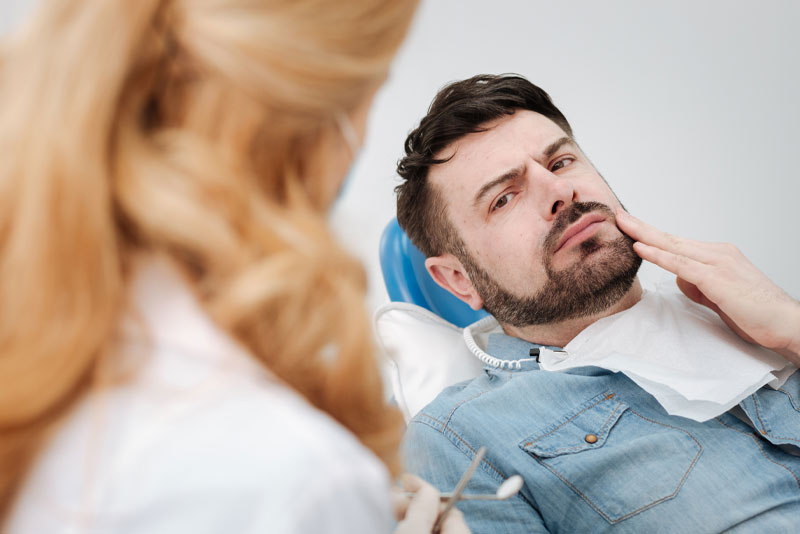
591 438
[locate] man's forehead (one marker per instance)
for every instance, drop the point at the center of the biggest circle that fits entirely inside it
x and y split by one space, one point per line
502 145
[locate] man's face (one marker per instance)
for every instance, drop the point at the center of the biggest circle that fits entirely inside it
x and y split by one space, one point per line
536 220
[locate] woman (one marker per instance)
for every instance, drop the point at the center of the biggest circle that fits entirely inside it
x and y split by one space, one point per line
183 345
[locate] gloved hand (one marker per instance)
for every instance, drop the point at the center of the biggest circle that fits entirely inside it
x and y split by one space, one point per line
416 515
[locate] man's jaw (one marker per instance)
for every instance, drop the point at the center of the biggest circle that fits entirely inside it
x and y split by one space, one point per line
560 333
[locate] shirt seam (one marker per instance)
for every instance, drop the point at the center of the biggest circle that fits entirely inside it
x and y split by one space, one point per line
648 505
763 429
460 404
461 439
606 396
602 432
791 399
763 452
464 442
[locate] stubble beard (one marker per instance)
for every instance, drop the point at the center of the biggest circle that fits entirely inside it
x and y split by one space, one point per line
587 287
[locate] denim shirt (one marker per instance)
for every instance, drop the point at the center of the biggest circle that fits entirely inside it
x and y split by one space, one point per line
598 453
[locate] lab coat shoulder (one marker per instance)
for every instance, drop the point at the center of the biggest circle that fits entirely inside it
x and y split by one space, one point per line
254 460
199 438
241 458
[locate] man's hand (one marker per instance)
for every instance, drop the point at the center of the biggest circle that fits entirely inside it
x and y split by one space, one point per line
717 275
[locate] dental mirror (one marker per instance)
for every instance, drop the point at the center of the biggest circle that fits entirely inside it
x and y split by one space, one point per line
507 489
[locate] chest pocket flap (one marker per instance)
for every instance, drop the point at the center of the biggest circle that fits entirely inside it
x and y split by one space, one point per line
588 429
614 458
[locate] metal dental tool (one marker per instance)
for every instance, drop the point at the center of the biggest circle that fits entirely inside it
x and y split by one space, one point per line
507 489
456 496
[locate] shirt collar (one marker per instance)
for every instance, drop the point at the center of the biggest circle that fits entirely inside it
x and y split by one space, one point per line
507 347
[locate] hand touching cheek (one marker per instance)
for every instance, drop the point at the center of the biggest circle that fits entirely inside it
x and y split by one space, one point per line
719 276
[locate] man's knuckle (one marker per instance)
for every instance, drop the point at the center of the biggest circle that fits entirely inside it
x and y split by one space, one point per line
701 280
730 249
681 260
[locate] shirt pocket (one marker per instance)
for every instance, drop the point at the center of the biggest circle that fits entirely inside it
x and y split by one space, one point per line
618 461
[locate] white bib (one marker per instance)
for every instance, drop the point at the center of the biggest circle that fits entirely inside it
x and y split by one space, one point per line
679 352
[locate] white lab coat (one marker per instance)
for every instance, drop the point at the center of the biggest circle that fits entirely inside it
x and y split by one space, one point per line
197 438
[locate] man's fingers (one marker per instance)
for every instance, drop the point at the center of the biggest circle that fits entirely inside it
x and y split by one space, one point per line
687 268
650 235
690 290
694 293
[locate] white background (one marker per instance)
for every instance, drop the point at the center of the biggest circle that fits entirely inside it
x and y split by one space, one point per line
689 108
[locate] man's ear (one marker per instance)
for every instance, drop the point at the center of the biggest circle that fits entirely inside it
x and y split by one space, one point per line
448 272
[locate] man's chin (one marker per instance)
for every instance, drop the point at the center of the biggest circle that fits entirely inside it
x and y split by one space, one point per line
598 278
591 250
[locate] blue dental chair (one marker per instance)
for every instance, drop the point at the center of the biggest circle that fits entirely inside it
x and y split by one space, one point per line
407 280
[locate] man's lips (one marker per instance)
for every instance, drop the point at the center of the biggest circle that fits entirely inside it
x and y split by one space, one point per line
581 229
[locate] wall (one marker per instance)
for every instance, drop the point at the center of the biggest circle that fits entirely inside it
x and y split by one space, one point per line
688 108
12 12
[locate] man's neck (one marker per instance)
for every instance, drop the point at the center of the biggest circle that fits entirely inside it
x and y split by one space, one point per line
559 334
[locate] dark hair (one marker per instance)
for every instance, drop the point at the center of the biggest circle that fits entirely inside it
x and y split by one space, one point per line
460 108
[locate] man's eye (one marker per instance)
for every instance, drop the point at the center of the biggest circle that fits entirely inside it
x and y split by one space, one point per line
502 201
560 164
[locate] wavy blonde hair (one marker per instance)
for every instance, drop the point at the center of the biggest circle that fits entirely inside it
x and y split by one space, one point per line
187 127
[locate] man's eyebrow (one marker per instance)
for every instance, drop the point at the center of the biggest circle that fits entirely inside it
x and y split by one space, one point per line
512 174
555 146
503 178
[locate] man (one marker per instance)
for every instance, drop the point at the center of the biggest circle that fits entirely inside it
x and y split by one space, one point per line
513 217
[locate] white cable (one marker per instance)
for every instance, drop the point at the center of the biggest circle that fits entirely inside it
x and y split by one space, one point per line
486 324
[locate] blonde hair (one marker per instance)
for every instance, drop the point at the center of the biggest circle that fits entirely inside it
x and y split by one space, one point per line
185 127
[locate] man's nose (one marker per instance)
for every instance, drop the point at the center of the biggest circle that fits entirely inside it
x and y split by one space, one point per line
553 192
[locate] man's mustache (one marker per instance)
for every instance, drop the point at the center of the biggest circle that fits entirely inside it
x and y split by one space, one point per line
566 217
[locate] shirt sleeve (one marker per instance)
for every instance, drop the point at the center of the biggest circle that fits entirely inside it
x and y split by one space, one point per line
431 455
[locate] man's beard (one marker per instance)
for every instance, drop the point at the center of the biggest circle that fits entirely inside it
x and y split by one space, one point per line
582 289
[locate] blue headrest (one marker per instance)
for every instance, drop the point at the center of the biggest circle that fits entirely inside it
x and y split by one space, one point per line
407 280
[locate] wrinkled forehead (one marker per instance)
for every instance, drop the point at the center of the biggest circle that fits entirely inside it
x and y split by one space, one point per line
477 158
